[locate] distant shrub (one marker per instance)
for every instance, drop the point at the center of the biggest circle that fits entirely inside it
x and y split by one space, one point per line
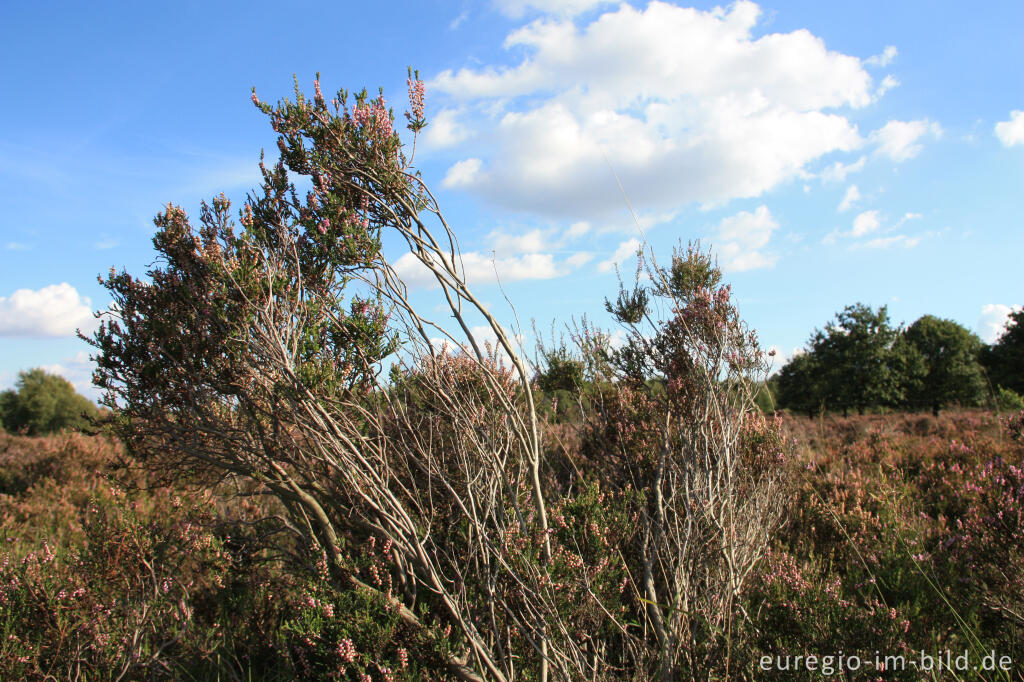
44 403
1008 399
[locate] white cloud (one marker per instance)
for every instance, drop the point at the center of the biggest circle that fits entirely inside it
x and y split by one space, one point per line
851 197
625 250
509 244
887 84
444 130
883 59
899 139
78 370
462 173
18 246
864 223
838 171
577 229
686 105
992 321
1011 132
481 268
56 310
566 8
742 238
579 259
894 240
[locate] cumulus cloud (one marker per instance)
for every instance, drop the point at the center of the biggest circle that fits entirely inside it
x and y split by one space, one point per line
992 321
686 105
899 140
444 130
883 59
481 268
566 8
77 369
851 197
56 310
838 171
1011 132
533 241
742 239
893 240
887 84
870 223
464 173
626 249
864 223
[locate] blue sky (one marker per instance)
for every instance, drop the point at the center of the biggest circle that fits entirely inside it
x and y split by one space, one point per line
828 152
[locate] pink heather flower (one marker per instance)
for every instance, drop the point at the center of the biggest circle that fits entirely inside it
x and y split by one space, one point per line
416 92
403 657
346 650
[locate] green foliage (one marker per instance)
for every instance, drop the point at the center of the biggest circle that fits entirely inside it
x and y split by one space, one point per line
562 371
1007 399
1004 360
939 364
854 353
44 403
800 385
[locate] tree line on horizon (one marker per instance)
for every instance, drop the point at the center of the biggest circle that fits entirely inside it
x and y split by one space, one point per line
861 361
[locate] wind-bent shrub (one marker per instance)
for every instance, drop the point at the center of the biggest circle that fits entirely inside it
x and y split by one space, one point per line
257 355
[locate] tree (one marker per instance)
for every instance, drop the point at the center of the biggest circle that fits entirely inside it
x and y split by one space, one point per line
801 386
854 353
1004 359
43 403
946 368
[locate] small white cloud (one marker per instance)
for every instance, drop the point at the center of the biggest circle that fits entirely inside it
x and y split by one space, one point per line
105 243
579 259
18 246
462 174
865 223
77 369
625 250
907 217
457 21
533 241
577 229
480 268
838 171
515 9
898 140
883 59
992 322
444 130
56 310
1011 132
851 197
742 238
887 84
895 240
